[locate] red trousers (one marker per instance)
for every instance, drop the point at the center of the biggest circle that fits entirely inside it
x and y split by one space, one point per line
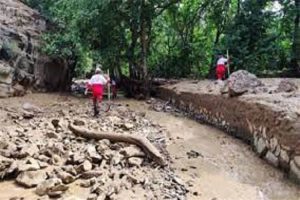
220 72
97 91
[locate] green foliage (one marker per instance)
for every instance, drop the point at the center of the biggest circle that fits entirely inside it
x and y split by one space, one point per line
181 38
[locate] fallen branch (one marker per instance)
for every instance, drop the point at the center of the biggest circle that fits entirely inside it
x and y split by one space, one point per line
141 142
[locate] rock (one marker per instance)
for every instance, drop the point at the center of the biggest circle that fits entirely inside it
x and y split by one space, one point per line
28 115
65 176
92 196
297 161
30 150
56 160
77 158
55 123
132 151
31 108
284 159
261 147
70 169
116 159
52 135
294 172
46 185
272 159
135 161
18 90
241 82
273 144
103 145
79 122
55 194
28 165
5 90
31 178
88 183
127 126
92 153
286 86
43 158
91 174
86 166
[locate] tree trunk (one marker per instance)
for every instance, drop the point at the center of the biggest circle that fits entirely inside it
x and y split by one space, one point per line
211 73
144 38
296 43
140 141
238 7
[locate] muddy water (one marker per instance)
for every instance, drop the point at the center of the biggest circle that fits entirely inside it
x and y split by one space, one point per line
226 169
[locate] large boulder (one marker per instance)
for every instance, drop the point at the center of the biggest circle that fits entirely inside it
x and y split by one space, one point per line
241 82
21 61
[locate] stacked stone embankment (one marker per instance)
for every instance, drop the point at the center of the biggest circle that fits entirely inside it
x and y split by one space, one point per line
268 120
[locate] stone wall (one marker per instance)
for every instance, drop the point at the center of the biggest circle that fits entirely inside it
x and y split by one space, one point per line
275 137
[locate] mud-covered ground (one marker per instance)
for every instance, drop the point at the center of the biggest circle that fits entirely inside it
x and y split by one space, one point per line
38 151
266 95
205 163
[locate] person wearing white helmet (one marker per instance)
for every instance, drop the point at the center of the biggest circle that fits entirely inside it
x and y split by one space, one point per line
96 84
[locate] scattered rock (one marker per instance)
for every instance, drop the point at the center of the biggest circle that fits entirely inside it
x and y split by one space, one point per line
132 151
78 122
86 166
92 196
294 172
135 161
28 115
261 147
65 177
52 135
272 159
31 178
45 186
286 86
31 108
91 174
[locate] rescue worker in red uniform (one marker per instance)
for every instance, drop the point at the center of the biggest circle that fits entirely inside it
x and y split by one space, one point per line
221 67
96 84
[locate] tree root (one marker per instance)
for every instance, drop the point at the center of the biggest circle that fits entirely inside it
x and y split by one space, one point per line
141 142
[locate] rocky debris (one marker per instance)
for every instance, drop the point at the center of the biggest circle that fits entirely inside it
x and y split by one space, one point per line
45 154
135 161
31 108
31 178
241 82
286 86
132 151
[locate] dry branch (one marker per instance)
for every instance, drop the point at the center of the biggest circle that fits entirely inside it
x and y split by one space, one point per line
140 141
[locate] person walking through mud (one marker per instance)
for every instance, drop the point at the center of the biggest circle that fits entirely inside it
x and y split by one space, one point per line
96 85
221 67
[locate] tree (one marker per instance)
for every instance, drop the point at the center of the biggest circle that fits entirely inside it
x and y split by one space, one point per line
296 41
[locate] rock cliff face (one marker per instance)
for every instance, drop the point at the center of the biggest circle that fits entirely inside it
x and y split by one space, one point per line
22 66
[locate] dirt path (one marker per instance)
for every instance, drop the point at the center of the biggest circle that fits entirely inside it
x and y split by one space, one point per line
226 169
